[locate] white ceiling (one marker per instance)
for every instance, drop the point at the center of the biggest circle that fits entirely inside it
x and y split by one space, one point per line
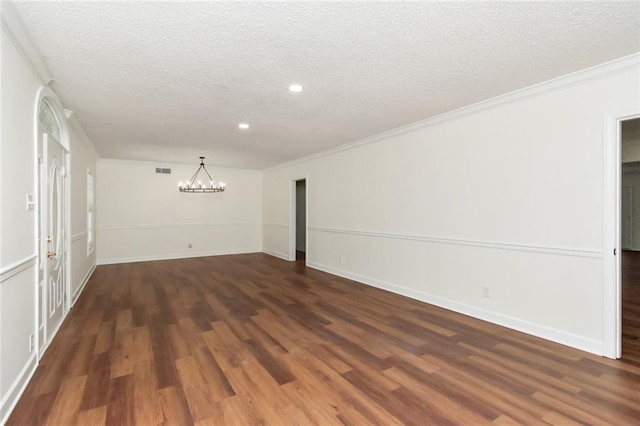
170 81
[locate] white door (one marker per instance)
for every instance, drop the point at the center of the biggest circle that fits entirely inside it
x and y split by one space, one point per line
626 221
53 296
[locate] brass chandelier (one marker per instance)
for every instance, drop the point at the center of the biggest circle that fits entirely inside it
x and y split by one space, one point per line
195 185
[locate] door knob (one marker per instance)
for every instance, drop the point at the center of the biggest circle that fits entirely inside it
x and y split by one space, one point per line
51 254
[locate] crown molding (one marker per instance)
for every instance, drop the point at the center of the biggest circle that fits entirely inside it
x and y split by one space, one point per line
13 27
592 73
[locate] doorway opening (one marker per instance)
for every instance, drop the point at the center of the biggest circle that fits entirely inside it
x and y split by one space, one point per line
630 240
299 220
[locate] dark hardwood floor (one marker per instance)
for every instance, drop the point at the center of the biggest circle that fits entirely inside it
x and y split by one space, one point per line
631 307
252 339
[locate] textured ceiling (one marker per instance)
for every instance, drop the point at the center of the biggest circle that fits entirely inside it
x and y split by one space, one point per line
168 81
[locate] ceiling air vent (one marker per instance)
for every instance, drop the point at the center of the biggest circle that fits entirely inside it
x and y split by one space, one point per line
163 171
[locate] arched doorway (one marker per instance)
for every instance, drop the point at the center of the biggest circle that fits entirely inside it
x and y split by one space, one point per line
53 217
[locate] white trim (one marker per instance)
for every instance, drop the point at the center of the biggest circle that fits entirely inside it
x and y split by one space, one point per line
17 267
67 227
306 219
282 256
111 261
612 293
578 77
79 236
292 220
90 184
45 93
293 223
12 396
275 224
176 225
12 26
548 333
463 242
85 280
611 277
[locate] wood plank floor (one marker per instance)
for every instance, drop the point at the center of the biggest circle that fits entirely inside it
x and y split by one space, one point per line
251 339
631 307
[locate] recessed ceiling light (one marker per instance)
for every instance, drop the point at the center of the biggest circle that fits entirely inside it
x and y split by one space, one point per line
243 126
296 88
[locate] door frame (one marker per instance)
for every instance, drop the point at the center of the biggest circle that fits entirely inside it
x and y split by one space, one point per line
612 295
292 219
46 94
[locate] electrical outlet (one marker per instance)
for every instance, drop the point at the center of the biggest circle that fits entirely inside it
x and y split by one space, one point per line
31 343
341 260
485 291
190 245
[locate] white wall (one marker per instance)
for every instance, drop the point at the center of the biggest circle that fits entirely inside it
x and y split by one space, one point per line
21 84
142 216
83 158
17 225
507 194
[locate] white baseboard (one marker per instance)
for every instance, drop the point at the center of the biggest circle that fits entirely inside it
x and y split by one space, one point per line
14 393
111 261
548 333
276 254
85 280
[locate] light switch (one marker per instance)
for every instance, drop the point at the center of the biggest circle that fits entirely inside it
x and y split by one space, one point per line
30 203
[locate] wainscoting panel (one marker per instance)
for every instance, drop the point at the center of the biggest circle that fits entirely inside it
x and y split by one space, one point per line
275 239
155 242
494 283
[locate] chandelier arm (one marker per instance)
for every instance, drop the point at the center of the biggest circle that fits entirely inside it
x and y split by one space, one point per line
193 178
205 170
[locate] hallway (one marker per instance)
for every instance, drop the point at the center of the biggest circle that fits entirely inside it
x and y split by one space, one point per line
631 307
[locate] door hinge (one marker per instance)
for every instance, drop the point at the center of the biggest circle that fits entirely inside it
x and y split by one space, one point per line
614 252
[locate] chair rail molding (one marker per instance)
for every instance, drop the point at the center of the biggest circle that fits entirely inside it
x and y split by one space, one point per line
175 225
17 267
464 242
